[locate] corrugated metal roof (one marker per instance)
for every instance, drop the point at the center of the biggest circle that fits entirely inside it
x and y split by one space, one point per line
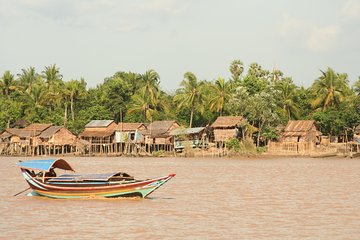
227 121
99 123
186 131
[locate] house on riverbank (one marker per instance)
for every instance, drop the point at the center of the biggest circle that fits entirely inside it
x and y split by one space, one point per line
37 139
227 127
190 137
157 136
129 137
300 137
100 134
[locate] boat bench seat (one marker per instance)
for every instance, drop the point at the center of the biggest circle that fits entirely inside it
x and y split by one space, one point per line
83 177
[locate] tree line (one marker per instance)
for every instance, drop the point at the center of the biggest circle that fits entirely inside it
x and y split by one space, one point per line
267 99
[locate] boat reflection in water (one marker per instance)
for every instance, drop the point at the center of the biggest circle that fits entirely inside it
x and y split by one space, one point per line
43 180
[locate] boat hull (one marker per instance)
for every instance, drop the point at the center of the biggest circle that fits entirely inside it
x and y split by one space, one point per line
106 189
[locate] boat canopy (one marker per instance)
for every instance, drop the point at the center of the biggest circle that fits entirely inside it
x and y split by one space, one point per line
45 165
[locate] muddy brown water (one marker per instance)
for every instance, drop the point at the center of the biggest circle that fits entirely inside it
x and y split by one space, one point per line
210 198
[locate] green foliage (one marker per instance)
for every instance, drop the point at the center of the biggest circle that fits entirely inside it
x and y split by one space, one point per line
265 98
233 144
10 111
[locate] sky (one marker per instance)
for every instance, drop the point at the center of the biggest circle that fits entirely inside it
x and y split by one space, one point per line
94 39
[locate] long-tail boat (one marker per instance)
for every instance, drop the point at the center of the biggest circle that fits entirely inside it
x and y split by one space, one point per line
43 180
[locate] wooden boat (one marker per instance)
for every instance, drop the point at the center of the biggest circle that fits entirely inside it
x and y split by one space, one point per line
42 178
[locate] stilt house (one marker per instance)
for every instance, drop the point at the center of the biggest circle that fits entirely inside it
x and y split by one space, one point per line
157 135
227 127
193 137
100 134
129 137
57 139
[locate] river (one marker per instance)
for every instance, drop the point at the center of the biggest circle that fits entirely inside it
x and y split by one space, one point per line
210 198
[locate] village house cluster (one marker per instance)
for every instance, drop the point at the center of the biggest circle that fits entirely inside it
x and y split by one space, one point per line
105 137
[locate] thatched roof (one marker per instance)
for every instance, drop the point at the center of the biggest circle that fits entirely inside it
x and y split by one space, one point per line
129 127
299 128
227 122
98 123
160 128
22 133
48 133
39 127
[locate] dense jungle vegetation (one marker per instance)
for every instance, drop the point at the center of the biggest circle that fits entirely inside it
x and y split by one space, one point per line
265 98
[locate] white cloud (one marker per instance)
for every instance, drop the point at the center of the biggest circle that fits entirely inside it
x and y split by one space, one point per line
323 38
351 9
289 25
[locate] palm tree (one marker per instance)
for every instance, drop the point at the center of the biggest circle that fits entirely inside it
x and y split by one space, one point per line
52 75
287 91
28 78
151 82
220 95
37 96
330 89
141 103
190 95
7 83
75 90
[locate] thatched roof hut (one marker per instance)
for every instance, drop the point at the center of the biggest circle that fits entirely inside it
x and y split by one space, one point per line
57 135
16 135
38 127
300 131
227 127
158 132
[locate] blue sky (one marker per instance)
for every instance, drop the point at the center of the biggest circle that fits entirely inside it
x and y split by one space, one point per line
96 38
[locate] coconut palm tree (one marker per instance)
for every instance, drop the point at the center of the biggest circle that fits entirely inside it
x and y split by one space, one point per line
75 90
151 82
287 90
28 78
7 83
141 103
330 89
52 75
221 94
190 95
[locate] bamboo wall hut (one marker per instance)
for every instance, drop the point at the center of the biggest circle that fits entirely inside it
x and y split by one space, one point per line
56 140
37 139
16 141
157 135
192 137
227 127
129 137
298 137
100 134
